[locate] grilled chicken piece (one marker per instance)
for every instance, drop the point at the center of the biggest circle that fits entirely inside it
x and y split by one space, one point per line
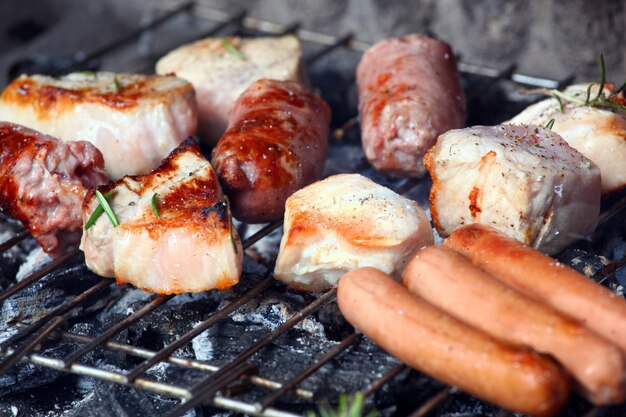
525 181
189 246
597 133
409 93
43 181
220 69
276 143
135 120
345 222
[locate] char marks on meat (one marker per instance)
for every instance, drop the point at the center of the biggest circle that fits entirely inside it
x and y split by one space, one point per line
276 143
525 181
43 181
344 222
409 93
185 244
220 69
135 120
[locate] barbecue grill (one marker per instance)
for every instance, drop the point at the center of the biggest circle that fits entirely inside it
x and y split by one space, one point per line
238 383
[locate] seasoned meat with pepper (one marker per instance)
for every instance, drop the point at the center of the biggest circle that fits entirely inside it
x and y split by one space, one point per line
276 143
409 93
344 222
599 133
220 69
43 181
134 120
175 232
525 181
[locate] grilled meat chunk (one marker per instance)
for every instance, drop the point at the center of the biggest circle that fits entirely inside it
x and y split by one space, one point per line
345 222
597 133
276 143
175 233
525 181
220 69
134 120
43 181
409 93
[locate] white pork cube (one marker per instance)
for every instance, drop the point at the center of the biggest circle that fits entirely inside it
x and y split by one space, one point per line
525 181
597 133
220 69
175 232
346 222
135 120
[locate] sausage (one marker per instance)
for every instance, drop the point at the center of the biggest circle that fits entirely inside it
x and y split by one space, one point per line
452 283
43 181
541 277
276 143
433 342
409 93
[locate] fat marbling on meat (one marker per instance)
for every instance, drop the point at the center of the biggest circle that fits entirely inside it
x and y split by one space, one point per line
188 244
43 181
345 222
597 133
409 93
276 143
220 69
525 181
135 120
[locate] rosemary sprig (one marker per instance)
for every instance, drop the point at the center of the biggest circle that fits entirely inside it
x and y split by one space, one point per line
601 100
232 49
155 208
550 124
116 86
98 211
347 407
88 72
107 209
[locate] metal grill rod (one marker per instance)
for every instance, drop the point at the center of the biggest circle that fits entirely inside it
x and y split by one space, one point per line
345 343
59 311
14 240
186 338
36 276
434 401
116 329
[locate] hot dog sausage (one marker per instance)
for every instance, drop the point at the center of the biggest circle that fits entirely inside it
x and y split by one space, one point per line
276 143
409 93
431 341
452 283
541 277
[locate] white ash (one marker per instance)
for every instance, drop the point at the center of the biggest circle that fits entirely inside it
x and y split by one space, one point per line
35 260
202 345
14 410
159 370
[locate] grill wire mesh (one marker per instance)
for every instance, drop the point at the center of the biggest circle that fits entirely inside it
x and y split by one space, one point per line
218 386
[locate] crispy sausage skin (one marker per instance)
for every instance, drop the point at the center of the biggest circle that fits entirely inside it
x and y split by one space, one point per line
409 93
43 181
452 283
431 341
544 279
275 144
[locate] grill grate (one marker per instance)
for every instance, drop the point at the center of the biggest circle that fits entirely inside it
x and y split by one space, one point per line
213 388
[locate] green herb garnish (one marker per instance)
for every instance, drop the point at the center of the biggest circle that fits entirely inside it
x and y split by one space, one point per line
232 49
107 209
347 407
599 101
550 124
155 209
97 212
587 164
116 86
88 72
